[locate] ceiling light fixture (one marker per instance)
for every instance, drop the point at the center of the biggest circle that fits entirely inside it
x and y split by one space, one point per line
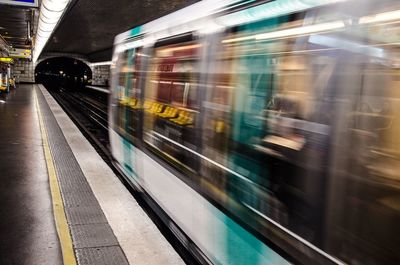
50 13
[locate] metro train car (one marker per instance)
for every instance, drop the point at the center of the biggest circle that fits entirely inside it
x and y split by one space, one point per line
265 132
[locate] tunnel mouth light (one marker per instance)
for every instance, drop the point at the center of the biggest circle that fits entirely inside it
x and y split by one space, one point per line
51 12
100 63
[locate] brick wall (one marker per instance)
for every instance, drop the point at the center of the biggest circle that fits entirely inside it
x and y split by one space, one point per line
24 70
101 75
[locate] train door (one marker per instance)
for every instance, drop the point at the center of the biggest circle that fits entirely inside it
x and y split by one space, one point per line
230 115
172 131
362 225
266 127
126 110
113 117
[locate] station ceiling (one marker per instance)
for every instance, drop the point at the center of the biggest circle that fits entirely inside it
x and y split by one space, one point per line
13 25
89 26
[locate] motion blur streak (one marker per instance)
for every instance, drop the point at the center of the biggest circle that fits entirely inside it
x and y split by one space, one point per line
266 131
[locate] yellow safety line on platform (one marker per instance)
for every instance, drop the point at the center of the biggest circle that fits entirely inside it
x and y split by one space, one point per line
58 206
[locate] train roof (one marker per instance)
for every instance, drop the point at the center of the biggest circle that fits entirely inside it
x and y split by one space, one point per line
204 9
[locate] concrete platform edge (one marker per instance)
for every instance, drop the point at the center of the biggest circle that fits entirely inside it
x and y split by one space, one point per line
137 235
97 237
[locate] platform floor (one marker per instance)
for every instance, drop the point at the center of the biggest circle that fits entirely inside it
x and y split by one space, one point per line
94 219
28 233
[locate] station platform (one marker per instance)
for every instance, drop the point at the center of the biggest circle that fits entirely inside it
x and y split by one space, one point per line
60 203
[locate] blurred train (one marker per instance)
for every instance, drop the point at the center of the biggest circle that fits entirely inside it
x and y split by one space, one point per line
266 132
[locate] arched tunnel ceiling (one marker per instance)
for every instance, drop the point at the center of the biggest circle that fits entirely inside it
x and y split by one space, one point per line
89 26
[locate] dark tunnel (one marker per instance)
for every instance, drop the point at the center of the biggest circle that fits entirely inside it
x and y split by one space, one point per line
68 73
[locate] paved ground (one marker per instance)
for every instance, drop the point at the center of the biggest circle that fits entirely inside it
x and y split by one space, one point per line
27 231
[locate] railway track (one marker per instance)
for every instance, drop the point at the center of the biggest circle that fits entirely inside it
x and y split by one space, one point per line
89 113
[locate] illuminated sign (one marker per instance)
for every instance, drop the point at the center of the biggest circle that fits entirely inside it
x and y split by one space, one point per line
30 3
6 60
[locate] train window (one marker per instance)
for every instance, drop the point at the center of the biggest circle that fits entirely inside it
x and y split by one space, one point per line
177 94
118 93
164 91
264 124
171 106
128 95
191 96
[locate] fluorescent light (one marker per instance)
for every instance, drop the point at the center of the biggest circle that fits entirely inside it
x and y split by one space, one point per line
182 48
381 17
344 44
301 30
210 27
50 14
239 39
100 63
317 28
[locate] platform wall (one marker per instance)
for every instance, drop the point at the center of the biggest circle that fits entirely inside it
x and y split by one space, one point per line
101 75
24 70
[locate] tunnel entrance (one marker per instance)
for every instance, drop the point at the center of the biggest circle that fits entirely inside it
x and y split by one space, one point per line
65 72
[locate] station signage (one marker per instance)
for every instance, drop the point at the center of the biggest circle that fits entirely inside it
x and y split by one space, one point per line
6 60
30 3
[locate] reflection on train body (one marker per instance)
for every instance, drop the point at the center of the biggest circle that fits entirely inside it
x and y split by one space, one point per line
298 128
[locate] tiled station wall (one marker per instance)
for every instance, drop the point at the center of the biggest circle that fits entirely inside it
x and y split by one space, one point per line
24 70
101 75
